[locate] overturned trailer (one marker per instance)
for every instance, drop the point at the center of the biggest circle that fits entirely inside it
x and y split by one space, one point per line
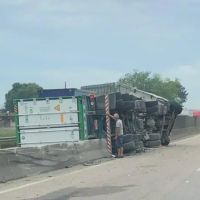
147 118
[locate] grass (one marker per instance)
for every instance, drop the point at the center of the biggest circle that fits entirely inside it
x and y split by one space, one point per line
7 132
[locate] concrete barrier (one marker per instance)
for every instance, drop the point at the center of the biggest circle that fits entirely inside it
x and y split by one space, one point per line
186 121
21 162
185 126
184 132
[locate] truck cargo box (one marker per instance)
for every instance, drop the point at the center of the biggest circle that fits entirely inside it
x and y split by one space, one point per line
108 88
67 92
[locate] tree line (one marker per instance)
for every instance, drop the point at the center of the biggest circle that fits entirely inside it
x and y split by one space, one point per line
172 90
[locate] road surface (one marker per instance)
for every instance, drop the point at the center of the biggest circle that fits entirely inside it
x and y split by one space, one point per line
165 173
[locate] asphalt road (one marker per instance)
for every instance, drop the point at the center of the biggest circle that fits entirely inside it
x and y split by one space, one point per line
165 173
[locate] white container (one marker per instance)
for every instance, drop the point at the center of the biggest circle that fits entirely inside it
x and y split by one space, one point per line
45 113
41 137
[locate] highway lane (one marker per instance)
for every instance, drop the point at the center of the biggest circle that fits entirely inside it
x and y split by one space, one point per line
165 173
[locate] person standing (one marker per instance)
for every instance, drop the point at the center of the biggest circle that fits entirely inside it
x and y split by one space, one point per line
118 135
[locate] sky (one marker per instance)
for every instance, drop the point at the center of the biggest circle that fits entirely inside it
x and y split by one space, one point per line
87 42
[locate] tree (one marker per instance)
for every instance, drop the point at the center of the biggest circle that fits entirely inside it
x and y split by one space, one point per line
181 93
172 90
21 91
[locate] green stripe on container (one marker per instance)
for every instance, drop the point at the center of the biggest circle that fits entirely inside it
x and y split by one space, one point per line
17 123
81 119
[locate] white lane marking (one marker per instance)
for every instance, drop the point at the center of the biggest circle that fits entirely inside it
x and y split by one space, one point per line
52 178
23 186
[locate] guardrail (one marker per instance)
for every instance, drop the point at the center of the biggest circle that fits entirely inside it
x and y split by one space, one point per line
6 142
8 139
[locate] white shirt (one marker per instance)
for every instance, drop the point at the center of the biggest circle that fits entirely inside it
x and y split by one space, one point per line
119 124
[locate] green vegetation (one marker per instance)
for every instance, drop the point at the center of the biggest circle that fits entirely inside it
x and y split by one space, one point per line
172 90
21 91
7 132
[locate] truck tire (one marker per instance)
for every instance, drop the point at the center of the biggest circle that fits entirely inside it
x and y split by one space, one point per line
154 136
129 105
119 102
151 103
140 106
159 109
139 146
137 137
126 97
133 98
175 107
127 138
125 105
118 95
120 105
165 140
151 144
152 110
128 147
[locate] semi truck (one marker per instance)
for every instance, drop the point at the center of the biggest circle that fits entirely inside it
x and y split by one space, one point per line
147 118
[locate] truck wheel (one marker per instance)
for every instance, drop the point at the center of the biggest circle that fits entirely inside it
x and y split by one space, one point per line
129 105
165 140
137 137
151 103
127 138
126 97
139 147
140 106
152 110
133 98
128 147
151 144
118 95
154 136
